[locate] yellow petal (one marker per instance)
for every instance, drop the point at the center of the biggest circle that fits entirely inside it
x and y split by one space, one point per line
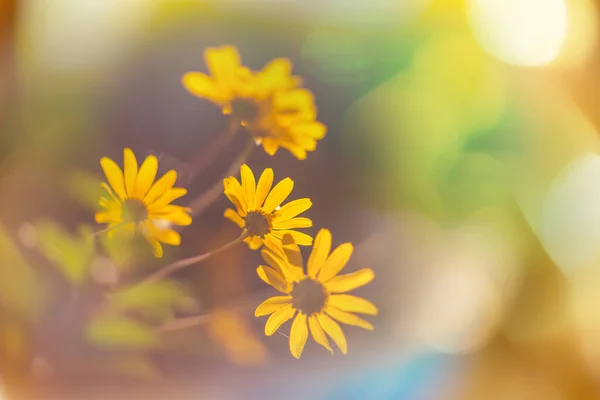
235 194
300 238
298 335
351 281
180 218
156 247
130 171
249 186
201 85
263 187
292 252
108 216
271 305
278 318
270 146
223 62
167 198
293 223
317 333
349 303
146 176
334 331
114 175
319 253
273 278
293 208
234 217
279 193
255 243
280 264
169 236
297 151
314 129
164 184
336 261
109 190
347 318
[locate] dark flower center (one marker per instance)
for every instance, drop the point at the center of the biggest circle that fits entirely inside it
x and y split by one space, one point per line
245 110
257 223
134 211
308 296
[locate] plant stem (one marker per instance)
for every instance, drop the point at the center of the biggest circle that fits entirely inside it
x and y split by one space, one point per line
202 202
210 154
177 265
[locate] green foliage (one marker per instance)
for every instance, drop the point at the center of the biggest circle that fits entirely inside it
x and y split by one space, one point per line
130 365
85 189
120 332
154 300
20 291
72 255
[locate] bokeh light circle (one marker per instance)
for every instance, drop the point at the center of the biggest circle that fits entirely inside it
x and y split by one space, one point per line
520 32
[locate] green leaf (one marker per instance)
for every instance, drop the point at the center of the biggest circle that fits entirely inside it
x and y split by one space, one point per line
154 300
116 331
73 255
85 188
136 366
20 290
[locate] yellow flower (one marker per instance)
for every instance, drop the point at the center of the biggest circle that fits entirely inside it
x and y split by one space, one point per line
138 204
317 295
269 103
259 212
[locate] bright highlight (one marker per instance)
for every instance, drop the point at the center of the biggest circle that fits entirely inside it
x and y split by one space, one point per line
520 32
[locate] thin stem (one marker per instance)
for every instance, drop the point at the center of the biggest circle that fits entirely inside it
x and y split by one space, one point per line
202 202
211 153
177 265
197 320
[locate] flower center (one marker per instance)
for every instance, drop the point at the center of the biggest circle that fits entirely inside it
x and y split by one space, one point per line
245 110
134 211
257 223
308 296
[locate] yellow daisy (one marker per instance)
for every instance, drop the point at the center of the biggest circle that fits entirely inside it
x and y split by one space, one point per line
318 295
258 209
269 103
138 204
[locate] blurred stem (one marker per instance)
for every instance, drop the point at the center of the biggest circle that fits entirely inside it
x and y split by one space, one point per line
177 265
208 156
202 202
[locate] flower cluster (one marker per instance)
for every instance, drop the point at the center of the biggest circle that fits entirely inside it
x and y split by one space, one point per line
276 112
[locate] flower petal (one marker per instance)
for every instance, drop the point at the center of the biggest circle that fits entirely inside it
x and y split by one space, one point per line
255 243
223 62
273 278
317 333
300 238
351 281
263 187
202 85
347 318
278 318
233 190
114 175
156 247
130 171
298 335
271 305
293 223
319 253
289 272
249 186
349 303
279 193
336 261
169 236
166 199
164 184
146 176
334 331
293 208
234 217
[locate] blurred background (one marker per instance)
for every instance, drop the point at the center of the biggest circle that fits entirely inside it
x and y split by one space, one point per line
462 160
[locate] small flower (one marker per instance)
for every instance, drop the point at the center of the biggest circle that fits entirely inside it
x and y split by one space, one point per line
317 295
270 103
137 204
259 212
